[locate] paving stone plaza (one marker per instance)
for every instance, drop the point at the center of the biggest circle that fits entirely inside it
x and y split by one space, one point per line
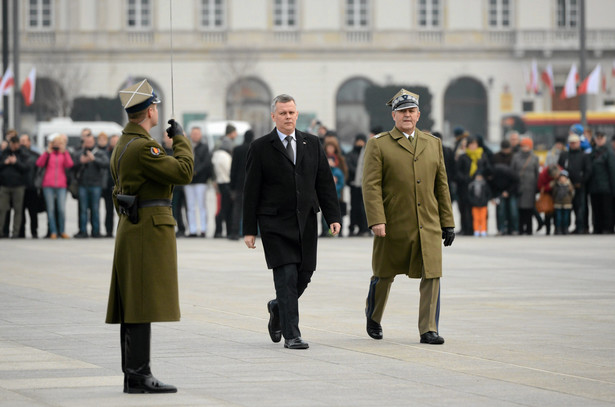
528 321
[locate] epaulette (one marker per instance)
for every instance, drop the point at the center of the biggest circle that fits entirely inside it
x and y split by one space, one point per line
381 134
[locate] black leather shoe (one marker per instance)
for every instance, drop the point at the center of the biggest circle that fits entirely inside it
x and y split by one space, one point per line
374 329
432 338
136 383
295 343
275 330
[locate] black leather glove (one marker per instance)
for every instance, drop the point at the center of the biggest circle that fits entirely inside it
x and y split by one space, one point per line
448 234
174 129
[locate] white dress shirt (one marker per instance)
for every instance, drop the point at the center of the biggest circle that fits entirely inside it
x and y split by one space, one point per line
284 142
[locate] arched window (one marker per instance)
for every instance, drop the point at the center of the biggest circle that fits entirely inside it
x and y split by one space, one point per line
249 99
351 115
465 105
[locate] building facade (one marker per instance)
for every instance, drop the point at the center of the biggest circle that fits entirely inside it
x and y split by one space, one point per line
231 57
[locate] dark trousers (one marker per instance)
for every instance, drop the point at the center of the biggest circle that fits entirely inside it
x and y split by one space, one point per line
236 214
525 221
179 204
358 219
579 207
602 213
226 209
290 283
30 204
109 210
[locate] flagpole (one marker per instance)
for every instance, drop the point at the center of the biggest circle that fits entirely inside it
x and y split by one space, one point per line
16 90
582 70
5 63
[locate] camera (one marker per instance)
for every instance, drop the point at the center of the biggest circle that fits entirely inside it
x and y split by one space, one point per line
55 148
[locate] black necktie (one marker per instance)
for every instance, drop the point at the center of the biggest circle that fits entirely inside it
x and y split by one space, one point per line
289 149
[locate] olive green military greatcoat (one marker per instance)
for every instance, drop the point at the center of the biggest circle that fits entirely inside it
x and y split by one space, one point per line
144 285
405 187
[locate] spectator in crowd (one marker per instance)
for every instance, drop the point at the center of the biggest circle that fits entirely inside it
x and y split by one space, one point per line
358 223
504 185
602 185
514 138
92 165
585 136
13 180
238 178
358 181
468 164
563 193
526 164
102 142
449 162
547 174
332 149
32 201
579 167
555 151
178 201
222 160
196 191
56 161
479 194
461 140
486 150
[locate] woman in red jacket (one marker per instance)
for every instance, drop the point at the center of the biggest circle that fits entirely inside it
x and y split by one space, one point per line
56 160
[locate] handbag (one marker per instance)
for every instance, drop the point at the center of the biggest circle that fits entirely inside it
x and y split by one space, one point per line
544 204
39 176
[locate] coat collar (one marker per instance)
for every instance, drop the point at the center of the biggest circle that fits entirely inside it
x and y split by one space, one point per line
421 140
135 129
301 142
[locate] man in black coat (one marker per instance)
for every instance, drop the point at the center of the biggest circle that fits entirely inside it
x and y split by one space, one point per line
287 179
579 167
238 179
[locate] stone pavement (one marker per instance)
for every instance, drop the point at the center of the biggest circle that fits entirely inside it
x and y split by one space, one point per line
528 321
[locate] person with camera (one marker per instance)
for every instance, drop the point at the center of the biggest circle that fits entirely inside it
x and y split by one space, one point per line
91 163
144 286
56 160
13 181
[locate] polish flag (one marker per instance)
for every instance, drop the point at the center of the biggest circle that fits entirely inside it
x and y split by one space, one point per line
547 78
570 87
613 69
591 84
28 88
526 79
534 78
7 83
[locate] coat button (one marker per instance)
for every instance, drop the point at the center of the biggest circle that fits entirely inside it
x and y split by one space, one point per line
420 227
419 204
416 159
418 181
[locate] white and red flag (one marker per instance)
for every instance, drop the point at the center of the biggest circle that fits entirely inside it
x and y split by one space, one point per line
570 87
613 69
591 84
534 86
28 87
547 78
7 83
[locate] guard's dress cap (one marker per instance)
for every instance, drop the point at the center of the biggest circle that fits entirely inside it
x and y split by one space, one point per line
404 100
138 97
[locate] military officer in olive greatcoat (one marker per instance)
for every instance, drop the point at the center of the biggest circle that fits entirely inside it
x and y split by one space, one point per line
408 208
144 285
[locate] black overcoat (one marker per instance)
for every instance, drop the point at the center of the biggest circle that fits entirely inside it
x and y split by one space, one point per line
282 200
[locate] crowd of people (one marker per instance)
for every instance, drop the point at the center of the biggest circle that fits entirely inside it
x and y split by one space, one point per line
576 180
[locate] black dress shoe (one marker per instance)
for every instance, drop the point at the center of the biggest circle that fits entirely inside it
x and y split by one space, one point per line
137 383
374 329
432 338
275 330
295 343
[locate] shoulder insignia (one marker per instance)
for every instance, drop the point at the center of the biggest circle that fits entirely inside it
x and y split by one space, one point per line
381 134
155 151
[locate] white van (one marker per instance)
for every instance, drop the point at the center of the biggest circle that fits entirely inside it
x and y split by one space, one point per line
72 129
213 130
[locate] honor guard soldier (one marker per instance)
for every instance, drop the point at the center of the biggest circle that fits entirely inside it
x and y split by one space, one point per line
144 285
408 208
